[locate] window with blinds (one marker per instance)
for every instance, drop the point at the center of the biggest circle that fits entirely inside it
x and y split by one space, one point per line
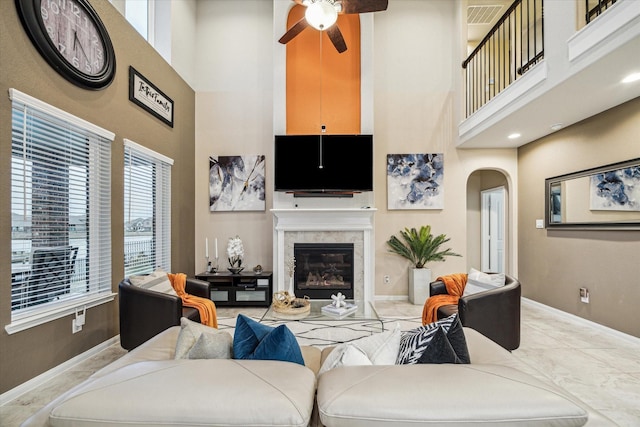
147 210
60 209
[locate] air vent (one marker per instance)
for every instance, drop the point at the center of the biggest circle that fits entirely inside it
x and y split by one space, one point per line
482 15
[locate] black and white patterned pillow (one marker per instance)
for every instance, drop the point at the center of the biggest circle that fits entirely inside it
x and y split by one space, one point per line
414 342
447 348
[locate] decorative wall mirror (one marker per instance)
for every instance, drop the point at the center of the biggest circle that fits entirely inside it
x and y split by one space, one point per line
606 197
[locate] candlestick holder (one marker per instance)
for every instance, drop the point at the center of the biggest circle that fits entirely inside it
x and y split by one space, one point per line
208 264
214 268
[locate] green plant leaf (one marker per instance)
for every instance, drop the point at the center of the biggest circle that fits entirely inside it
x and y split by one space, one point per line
420 247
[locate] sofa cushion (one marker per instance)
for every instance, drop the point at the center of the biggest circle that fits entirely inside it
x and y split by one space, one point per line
218 342
379 349
484 351
312 357
454 395
447 347
414 342
478 281
253 340
157 281
193 393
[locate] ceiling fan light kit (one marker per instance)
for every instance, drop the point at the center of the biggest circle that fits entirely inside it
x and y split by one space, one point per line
323 14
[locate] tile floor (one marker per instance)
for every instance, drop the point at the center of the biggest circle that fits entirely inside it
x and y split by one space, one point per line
597 366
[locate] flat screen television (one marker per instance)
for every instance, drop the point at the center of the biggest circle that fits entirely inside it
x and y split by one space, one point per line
323 163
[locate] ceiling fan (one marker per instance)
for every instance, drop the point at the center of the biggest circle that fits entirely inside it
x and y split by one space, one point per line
322 15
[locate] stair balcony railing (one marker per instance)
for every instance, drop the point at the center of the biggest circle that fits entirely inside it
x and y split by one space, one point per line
505 54
596 7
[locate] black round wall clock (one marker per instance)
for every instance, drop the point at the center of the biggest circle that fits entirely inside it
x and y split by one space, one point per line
71 37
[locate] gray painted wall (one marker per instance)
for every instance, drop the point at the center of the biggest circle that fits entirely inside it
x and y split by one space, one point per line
555 264
29 353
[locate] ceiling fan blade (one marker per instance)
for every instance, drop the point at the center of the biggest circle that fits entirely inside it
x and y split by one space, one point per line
336 38
294 31
364 6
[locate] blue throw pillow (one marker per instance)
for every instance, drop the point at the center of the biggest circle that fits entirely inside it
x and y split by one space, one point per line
253 340
247 336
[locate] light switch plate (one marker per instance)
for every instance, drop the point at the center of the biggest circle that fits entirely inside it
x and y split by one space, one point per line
539 223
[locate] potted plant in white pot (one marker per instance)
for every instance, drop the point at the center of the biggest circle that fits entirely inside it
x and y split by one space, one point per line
420 247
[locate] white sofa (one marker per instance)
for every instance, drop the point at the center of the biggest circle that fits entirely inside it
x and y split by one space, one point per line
492 390
146 387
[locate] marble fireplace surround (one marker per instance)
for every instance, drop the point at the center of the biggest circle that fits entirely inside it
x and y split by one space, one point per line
329 226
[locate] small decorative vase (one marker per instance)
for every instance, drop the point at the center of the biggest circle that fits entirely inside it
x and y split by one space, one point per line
235 263
291 292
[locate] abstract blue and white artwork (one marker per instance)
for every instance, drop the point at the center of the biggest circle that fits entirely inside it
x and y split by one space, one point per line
616 190
236 183
415 181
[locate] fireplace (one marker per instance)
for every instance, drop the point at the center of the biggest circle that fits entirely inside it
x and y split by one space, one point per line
323 269
325 226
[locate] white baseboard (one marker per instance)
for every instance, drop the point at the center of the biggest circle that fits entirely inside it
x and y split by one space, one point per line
586 322
25 387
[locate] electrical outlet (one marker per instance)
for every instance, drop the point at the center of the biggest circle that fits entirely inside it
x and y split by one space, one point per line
78 321
75 327
386 279
584 295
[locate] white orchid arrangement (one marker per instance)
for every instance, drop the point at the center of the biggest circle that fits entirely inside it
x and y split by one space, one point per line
235 252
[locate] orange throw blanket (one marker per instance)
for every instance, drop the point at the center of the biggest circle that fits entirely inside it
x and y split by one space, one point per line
205 307
455 284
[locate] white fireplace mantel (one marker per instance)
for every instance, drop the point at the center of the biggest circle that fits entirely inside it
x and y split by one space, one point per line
324 220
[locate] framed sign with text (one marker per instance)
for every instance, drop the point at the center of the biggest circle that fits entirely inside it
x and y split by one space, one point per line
145 94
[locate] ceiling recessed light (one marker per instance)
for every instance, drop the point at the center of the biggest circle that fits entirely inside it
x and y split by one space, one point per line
633 77
514 136
556 127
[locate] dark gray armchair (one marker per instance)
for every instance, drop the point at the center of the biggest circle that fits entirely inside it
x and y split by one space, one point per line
495 313
145 313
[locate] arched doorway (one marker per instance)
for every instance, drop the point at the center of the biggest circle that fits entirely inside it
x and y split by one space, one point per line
488 221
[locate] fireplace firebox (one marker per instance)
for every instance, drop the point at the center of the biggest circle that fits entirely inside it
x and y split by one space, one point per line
323 269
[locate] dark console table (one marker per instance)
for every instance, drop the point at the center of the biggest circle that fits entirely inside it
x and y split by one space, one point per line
244 289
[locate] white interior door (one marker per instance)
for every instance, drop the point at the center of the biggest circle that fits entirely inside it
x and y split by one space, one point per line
493 230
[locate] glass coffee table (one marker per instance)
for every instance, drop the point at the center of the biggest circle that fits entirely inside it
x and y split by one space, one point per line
320 329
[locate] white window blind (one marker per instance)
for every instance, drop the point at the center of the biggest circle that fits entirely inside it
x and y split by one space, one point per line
147 210
60 210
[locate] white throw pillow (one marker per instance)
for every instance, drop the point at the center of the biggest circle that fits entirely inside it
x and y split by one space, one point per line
353 356
190 333
379 349
157 281
478 281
